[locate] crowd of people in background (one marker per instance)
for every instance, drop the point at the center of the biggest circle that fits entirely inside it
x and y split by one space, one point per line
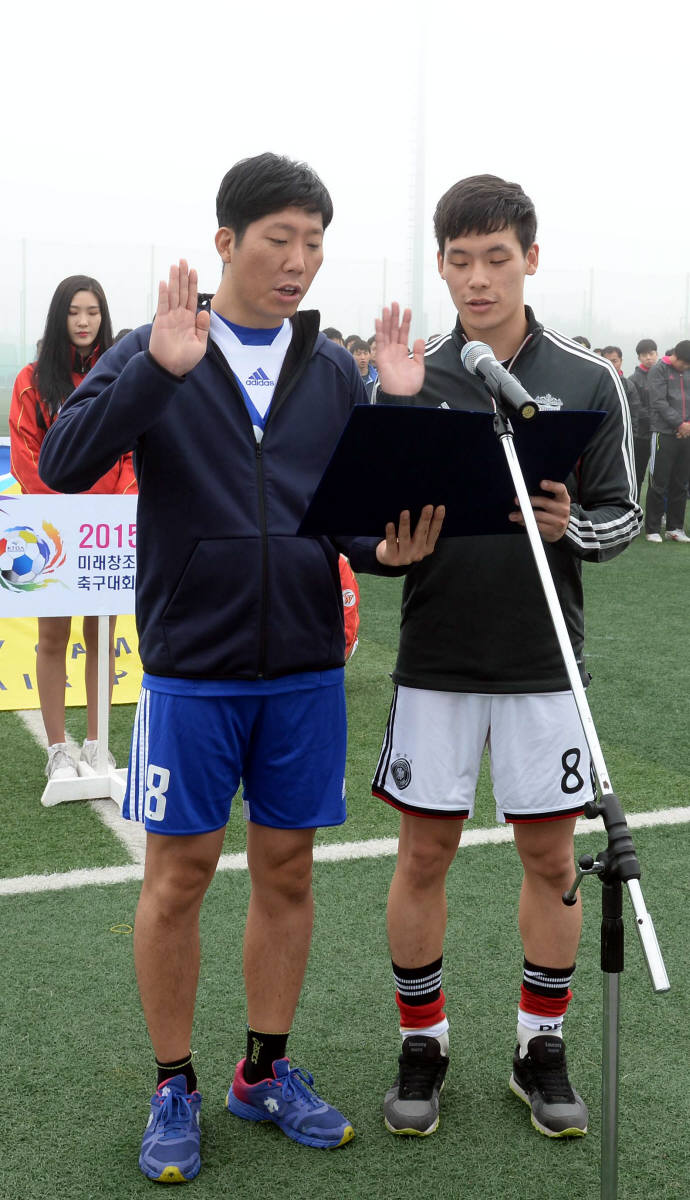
658 394
362 350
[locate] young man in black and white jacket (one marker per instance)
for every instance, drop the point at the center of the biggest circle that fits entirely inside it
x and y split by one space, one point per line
479 662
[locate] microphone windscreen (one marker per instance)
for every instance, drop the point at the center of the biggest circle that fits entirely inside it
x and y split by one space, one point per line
472 353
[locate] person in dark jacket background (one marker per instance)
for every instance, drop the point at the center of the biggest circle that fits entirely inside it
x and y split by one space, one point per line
668 386
646 351
240 625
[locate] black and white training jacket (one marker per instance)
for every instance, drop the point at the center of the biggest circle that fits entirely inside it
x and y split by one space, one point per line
474 617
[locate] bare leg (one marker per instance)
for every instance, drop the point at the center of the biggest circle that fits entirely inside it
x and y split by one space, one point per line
279 924
91 671
550 930
51 675
417 909
166 935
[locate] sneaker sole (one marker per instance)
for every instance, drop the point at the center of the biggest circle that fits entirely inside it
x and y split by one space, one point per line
412 1132
170 1174
248 1113
574 1131
416 1132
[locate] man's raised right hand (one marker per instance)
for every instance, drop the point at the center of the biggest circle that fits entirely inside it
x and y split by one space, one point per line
180 333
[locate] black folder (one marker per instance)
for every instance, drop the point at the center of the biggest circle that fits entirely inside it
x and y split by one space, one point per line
394 457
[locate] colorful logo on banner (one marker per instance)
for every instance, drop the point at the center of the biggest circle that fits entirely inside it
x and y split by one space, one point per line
28 559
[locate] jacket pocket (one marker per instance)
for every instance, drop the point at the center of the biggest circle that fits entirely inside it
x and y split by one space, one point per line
212 621
304 626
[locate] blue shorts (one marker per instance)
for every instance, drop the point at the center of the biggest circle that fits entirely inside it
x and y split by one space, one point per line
189 754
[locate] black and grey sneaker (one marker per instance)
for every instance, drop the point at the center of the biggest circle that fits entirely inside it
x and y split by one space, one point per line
541 1080
411 1105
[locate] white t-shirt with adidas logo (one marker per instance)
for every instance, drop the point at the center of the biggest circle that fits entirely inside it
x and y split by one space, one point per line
255 357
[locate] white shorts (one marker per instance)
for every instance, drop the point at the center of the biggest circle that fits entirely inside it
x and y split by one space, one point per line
541 767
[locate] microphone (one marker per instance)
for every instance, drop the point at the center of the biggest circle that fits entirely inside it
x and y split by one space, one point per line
478 359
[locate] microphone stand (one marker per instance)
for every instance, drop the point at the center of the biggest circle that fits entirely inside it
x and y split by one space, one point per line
615 865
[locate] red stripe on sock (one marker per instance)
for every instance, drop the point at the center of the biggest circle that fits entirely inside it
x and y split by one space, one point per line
544 1006
418 1016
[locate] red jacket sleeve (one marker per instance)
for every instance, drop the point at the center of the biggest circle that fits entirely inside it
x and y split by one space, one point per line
127 483
26 434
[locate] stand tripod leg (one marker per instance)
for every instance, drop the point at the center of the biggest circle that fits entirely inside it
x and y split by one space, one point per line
609 1088
612 955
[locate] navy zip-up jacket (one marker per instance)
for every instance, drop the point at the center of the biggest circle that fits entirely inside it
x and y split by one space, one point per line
225 588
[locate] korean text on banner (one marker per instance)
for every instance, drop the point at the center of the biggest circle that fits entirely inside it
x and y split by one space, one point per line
63 556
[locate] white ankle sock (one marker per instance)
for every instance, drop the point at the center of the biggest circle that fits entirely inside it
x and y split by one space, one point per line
439 1031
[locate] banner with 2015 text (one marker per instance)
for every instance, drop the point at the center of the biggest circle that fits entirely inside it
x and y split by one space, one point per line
66 556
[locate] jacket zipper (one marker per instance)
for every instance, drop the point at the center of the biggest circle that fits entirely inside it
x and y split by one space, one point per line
300 367
263 604
263 613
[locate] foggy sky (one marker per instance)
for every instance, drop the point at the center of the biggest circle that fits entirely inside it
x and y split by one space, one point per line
118 124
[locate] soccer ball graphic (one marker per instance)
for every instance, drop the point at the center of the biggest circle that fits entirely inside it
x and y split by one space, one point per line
23 555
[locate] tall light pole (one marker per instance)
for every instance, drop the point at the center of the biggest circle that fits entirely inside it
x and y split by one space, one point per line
418 198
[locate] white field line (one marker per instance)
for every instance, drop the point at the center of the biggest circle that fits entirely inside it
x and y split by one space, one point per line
131 834
336 852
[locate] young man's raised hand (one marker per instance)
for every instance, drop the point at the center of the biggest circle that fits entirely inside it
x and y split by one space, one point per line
399 374
180 333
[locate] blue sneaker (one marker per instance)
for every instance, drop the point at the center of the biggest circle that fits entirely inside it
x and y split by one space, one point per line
172 1138
289 1100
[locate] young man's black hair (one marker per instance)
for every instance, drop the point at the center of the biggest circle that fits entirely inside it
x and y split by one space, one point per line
682 351
333 334
646 346
583 341
485 204
267 183
358 344
612 350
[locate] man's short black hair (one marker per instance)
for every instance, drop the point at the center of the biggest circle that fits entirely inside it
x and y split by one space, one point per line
583 341
613 350
267 183
333 334
485 204
646 346
371 339
358 344
682 350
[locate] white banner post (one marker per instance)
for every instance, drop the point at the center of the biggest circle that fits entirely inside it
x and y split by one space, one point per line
67 556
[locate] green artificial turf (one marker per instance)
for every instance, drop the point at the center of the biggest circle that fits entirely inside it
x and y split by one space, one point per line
80 1070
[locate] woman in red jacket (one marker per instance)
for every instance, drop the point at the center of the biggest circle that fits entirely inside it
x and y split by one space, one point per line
77 331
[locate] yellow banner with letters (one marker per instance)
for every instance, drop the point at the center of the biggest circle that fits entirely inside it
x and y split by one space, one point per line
18 639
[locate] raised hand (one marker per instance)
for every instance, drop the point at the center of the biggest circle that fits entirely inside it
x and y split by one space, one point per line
399 374
401 547
180 333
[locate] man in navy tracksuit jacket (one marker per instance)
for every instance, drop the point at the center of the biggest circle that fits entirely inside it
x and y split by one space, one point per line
232 406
